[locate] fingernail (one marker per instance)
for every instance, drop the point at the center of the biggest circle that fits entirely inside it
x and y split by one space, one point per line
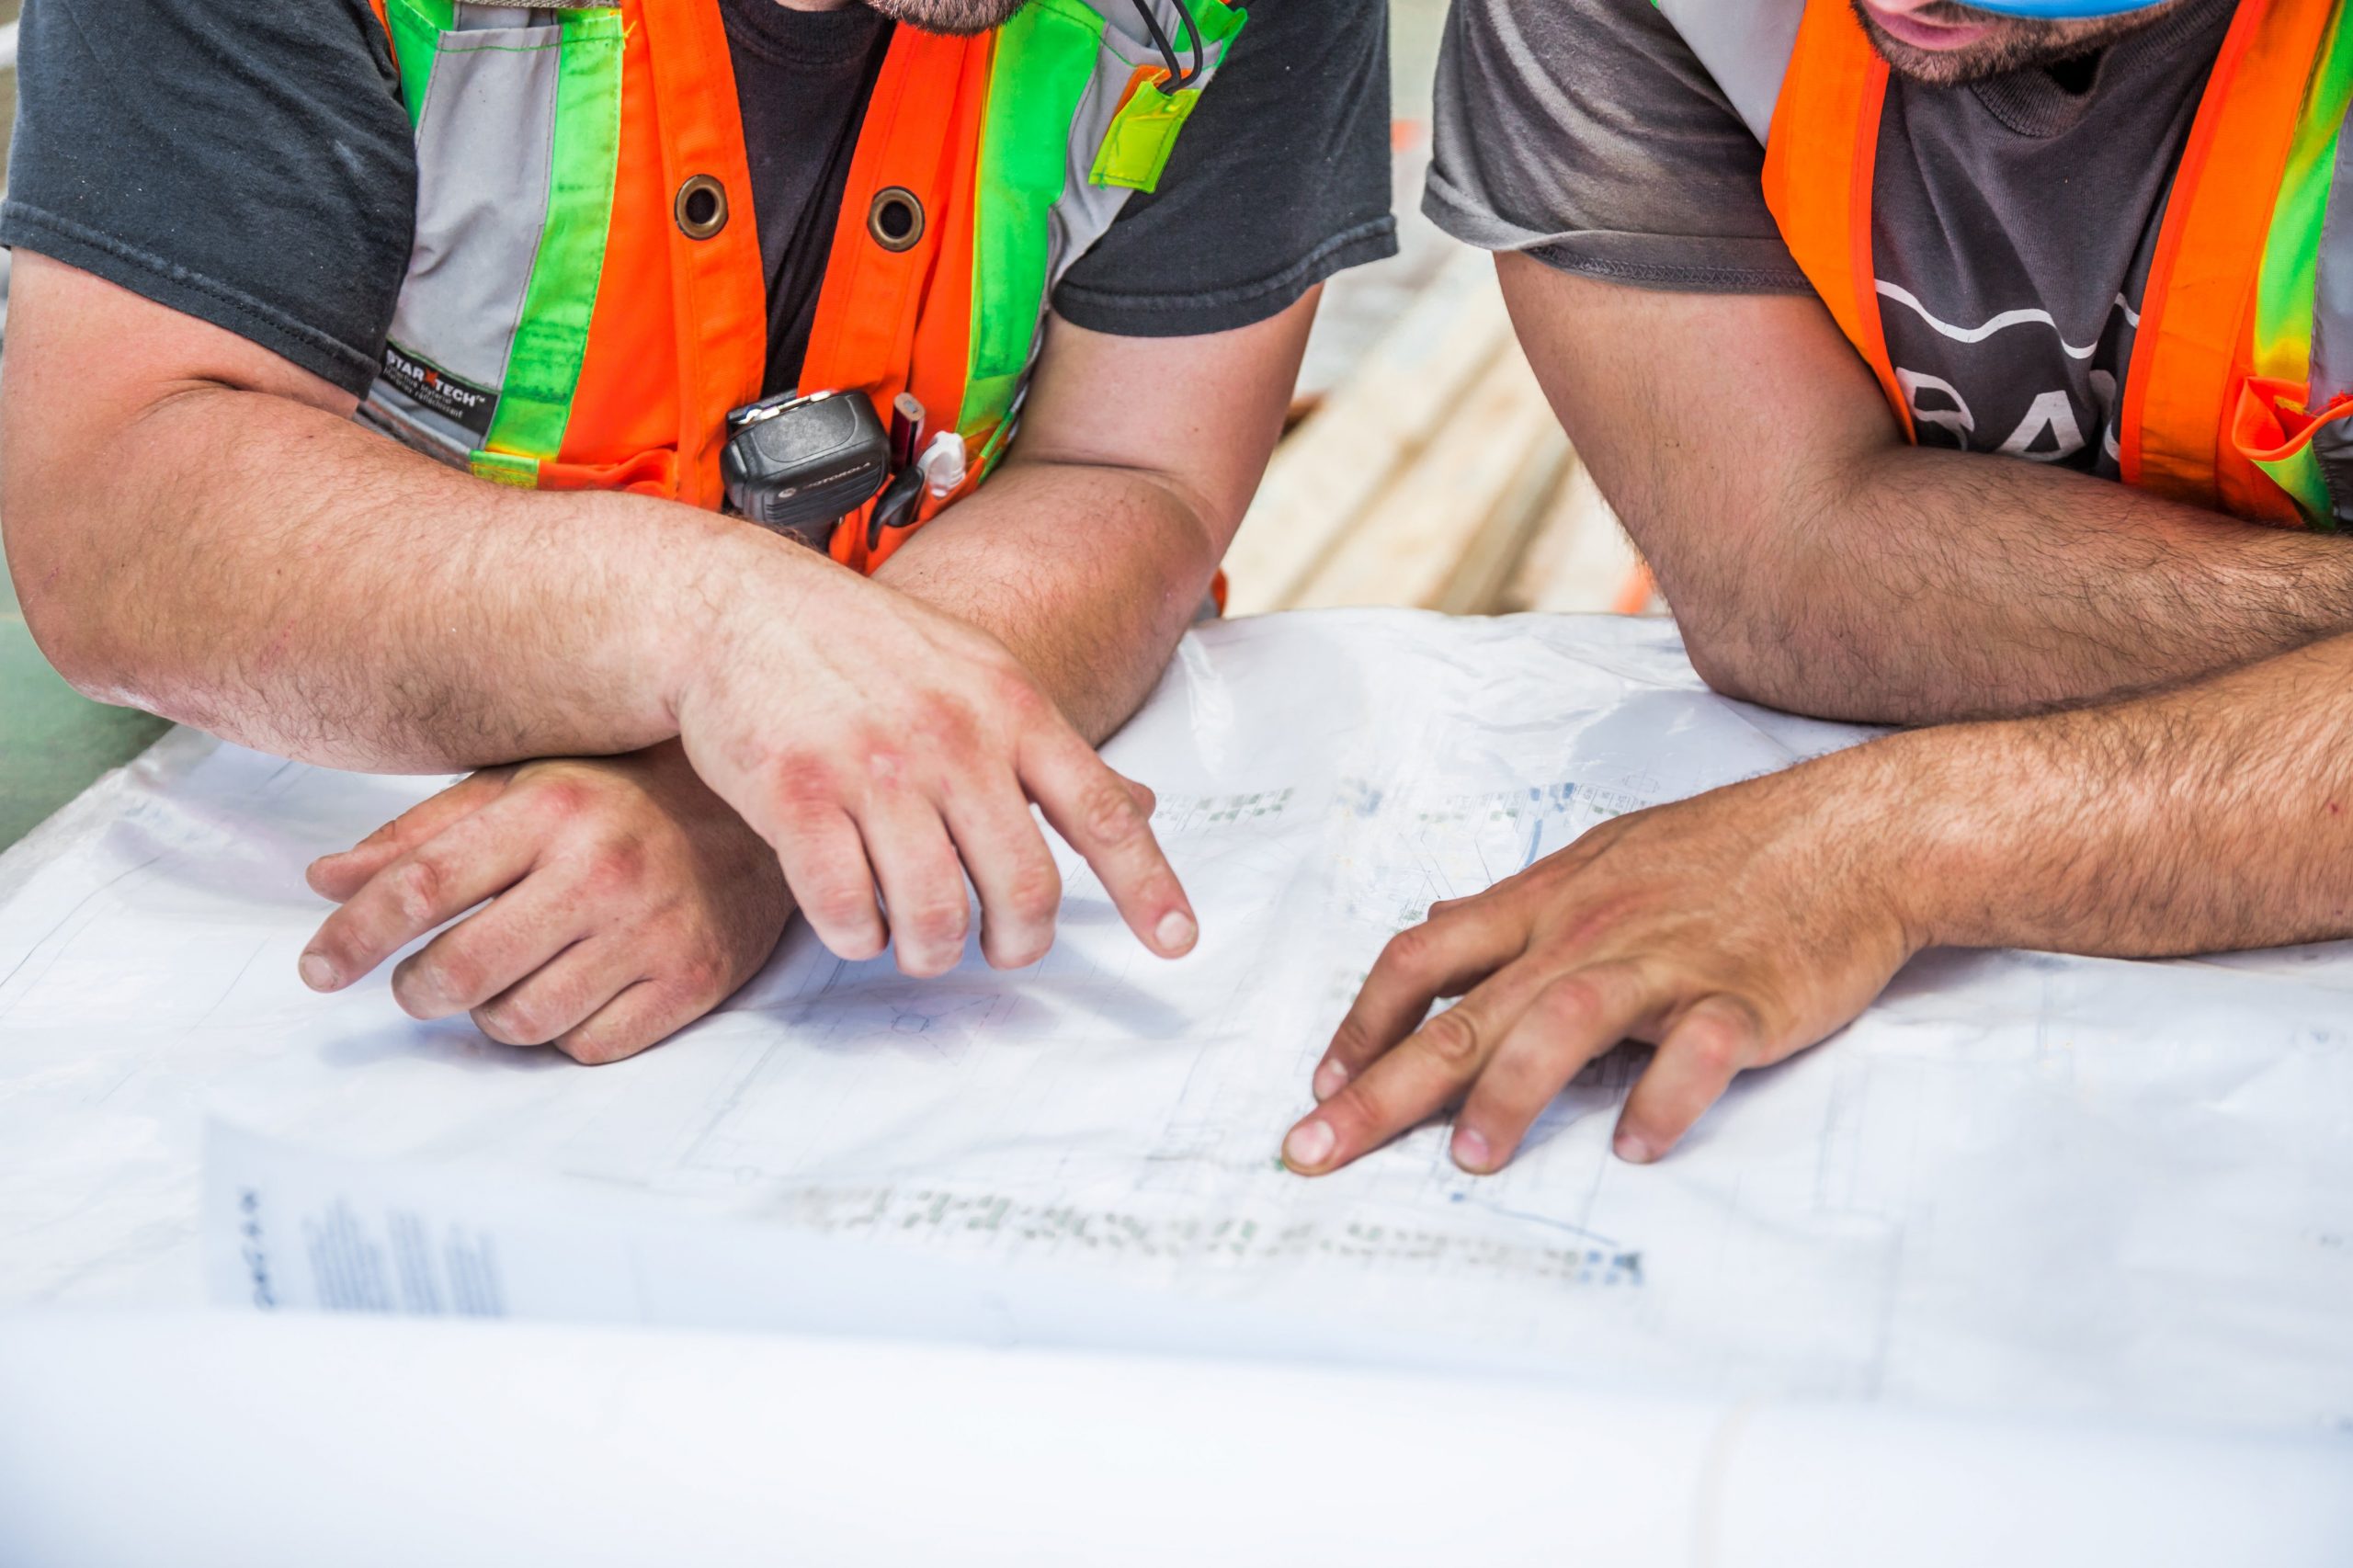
1471 1152
317 974
1330 1079
1632 1149
1309 1145
1176 931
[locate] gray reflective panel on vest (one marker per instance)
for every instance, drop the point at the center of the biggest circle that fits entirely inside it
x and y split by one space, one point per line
484 150
2332 357
1745 46
1086 210
470 18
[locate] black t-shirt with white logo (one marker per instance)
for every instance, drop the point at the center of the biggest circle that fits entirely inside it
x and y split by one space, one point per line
249 162
2014 219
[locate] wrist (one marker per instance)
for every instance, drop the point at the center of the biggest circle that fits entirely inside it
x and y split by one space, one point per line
739 580
1948 807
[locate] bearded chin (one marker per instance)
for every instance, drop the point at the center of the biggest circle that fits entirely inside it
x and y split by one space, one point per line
958 17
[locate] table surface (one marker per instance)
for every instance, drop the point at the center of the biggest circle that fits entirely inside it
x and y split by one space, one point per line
1870 1221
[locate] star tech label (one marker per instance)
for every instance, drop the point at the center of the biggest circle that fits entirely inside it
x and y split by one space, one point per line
425 383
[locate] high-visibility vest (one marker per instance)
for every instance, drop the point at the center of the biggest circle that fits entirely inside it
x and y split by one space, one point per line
585 300
2241 380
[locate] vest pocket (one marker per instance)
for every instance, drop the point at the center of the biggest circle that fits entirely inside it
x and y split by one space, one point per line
485 140
2301 453
517 114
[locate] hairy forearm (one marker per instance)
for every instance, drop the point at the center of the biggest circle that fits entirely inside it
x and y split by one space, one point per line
1089 574
2214 817
1914 586
1818 561
269 572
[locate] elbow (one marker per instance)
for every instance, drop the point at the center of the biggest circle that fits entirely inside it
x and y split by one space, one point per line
65 611
71 636
1727 621
1729 662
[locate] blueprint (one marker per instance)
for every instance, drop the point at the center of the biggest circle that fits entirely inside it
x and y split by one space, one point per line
2021 1182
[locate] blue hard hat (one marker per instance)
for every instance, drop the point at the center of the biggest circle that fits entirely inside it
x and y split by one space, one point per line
2061 9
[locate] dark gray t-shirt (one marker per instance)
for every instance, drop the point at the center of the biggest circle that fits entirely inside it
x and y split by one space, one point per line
249 162
2013 224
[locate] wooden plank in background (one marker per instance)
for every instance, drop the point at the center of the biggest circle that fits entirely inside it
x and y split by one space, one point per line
1447 532
1580 558
1329 472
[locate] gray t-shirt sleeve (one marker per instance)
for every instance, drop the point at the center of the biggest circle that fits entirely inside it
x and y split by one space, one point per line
1585 133
245 162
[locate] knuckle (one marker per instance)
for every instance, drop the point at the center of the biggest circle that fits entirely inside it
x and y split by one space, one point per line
1719 1049
1413 951
704 976
939 924
1015 695
1569 1004
842 908
417 888
944 724
1353 1042
1109 811
1452 1037
803 779
561 799
1035 893
615 866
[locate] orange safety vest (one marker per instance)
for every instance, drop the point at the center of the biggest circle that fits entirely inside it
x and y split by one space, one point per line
2227 401
585 300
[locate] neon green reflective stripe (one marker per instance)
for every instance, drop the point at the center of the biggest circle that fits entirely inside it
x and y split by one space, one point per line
1044 61
500 469
2283 310
552 337
417 27
2284 295
1218 22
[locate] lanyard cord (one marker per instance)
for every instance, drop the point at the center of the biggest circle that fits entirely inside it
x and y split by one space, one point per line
1179 77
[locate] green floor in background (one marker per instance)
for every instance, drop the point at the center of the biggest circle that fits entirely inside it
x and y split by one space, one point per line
53 742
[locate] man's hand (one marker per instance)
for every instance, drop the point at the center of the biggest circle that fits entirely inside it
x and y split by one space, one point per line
1732 930
394 615
624 899
882 746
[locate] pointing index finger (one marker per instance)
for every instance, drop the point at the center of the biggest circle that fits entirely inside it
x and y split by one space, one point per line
1097 813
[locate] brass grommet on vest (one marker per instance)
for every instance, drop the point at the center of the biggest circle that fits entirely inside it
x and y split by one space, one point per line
896 218
701 208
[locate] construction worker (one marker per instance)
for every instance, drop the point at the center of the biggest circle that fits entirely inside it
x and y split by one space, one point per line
1980 368
380 372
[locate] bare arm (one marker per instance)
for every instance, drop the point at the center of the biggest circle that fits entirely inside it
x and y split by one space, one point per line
1738 928
1091 551
1819 562
617 911
196 525
2212 818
